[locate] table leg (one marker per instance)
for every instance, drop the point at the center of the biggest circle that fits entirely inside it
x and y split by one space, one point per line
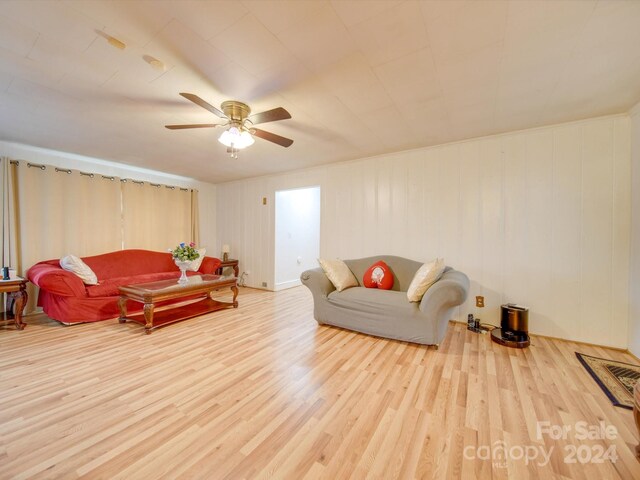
21 298
234 289
10 302
236 270
148 317
122 305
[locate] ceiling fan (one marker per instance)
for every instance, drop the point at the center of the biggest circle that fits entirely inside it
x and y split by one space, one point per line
240 123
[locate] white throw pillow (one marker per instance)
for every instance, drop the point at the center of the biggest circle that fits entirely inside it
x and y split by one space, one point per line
427 275
195 264
338 273
73 264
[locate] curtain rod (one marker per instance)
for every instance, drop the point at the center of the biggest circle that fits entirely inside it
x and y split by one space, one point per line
106 177
157 185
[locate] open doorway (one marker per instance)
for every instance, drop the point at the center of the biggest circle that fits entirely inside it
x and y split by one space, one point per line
297 239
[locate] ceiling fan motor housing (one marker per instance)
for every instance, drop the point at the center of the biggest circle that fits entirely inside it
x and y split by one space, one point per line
236 111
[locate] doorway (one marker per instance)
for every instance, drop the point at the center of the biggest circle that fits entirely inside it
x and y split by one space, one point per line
297 242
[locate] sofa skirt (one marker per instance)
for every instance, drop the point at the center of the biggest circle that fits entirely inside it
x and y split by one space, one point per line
73 310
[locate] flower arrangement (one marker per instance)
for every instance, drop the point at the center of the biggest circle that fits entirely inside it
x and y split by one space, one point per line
185 252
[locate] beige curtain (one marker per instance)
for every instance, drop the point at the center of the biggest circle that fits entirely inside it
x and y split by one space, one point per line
195 218
64 212
8 193
155 217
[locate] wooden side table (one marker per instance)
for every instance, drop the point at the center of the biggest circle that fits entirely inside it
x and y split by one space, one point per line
228 263
16 290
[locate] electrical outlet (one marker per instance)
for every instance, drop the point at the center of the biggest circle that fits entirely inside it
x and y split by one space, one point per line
264 284
479 301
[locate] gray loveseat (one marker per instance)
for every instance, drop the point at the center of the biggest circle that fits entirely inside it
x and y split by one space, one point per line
388 313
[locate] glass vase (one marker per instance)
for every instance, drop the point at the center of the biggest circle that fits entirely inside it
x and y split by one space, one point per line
183 266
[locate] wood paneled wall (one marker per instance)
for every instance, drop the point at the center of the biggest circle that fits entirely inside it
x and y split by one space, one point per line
539 217
634 277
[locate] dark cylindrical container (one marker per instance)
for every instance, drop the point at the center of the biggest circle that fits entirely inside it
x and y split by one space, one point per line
470 321
514 319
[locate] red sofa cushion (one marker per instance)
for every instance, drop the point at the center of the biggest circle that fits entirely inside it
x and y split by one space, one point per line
127 263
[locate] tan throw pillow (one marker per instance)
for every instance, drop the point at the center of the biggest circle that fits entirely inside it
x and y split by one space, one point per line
427 275
338 273
195 264
73 264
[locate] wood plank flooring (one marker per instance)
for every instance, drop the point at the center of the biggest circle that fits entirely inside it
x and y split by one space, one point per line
264 392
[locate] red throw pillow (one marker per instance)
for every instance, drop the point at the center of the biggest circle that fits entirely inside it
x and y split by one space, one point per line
378 275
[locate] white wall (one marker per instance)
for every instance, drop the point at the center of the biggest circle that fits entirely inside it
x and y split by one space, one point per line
539 217
297 234
634 277
206 191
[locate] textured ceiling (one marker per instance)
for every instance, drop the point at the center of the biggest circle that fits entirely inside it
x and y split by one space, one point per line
360 77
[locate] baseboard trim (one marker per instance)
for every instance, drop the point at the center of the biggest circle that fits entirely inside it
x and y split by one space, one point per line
619 349
255 287
289 284
634 356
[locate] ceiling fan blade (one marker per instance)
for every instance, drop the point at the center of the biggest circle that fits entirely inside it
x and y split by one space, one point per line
197 125
198 101
269 116
271 137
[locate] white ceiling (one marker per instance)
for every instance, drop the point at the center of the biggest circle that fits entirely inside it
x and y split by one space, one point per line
359 77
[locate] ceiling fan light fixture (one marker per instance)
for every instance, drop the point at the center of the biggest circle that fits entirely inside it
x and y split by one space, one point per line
236 139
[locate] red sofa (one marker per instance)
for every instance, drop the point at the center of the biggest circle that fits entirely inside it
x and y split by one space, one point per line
64 297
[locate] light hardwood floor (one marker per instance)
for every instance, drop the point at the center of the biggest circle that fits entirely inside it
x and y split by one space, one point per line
264 392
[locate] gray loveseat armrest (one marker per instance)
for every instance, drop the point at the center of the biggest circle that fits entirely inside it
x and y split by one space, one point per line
442 298
320 286
317 282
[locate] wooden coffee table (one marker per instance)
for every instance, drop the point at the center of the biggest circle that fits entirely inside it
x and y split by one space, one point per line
153 293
